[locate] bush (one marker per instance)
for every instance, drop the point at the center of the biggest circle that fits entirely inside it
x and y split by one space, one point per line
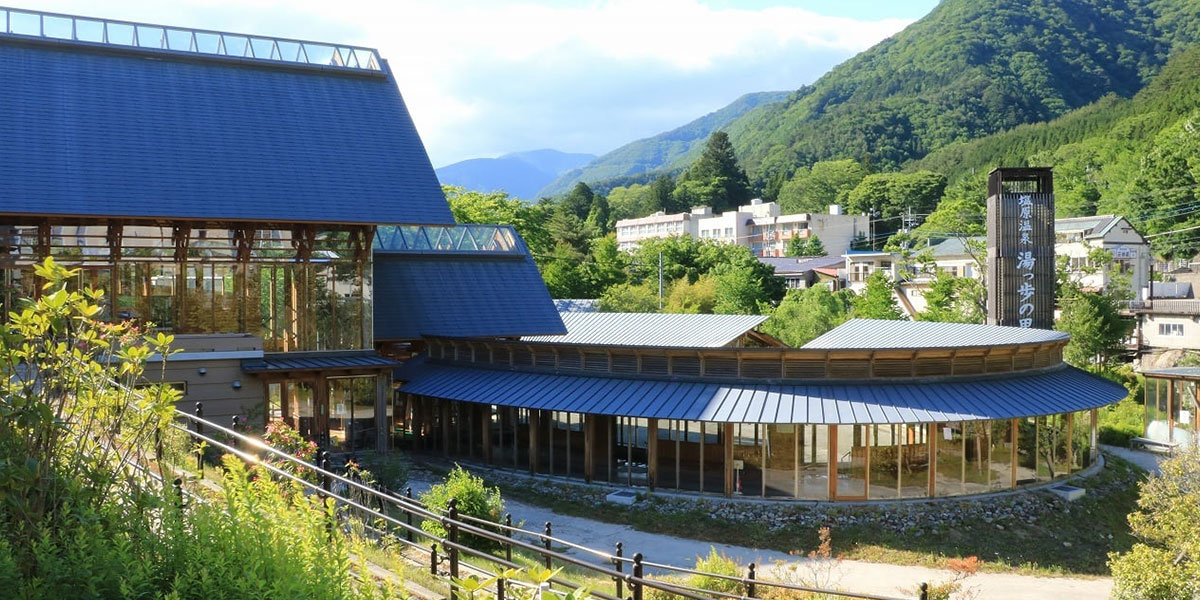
718 564
474 499
1120 422
282 437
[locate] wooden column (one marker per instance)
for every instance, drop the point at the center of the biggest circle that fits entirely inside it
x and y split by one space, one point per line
321 410
727 429
935 431
383 397
1170 410
1013 459
832 453
445 427
1070 442
535 423
1094 435
652 453
589 438
485 419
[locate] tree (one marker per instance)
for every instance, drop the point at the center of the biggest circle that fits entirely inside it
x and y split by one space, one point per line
810 246
563 273
813 189
627 297
631 202
662 191
877 300
803 315
530 220
1163 564
697 297
605 266
737 292
950 299
1097 329
578 201
891 196
598 215
715 179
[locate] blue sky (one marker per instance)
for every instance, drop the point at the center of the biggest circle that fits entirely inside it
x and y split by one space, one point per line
484 77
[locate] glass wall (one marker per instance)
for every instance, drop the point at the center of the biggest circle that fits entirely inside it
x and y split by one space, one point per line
871 462
296 293
351 413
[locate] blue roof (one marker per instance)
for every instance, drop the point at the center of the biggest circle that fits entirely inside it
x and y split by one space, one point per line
790 264
1063 389
461 294
103 131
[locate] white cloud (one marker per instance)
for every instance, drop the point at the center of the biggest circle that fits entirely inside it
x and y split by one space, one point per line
486 77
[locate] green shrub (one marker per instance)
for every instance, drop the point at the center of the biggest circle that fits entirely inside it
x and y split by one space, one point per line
718 564
1121 421
474 499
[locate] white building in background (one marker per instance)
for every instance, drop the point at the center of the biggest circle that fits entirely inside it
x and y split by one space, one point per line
1076 238
759 226
631 232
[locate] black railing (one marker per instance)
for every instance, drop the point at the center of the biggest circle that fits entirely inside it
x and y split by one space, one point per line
393 516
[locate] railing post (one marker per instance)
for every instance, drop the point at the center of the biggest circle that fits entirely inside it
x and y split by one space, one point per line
500 588
750 581
636 583
408 512
326 480
433 559
199 432
452 537
508 532
620 565
924 591
546 543
236 422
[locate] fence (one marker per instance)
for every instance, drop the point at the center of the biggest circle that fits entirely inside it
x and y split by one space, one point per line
398 516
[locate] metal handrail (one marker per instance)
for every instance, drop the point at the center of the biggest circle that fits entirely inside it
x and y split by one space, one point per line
190 40
491 531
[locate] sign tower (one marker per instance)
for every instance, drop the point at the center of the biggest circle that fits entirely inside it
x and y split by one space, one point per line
1020 247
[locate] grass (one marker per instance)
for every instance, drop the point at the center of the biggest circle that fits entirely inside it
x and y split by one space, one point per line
1073 542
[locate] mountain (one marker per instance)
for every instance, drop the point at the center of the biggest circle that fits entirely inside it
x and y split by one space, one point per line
521 174
967 69
678 146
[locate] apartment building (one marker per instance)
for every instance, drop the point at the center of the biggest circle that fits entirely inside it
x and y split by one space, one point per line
1076 238
760 226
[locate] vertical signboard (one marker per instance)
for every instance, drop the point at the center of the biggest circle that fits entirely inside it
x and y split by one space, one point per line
1020 254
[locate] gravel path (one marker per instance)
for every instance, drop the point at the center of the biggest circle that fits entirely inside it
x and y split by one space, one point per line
857 576
1146 460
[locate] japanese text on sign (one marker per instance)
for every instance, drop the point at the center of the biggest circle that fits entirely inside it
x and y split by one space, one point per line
1025 259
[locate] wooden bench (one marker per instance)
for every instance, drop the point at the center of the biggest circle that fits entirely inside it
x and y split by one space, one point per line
1153 445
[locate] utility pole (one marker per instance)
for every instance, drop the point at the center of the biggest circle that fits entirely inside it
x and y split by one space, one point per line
660 280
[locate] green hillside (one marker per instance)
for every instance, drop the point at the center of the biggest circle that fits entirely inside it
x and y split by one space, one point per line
676 147
968 69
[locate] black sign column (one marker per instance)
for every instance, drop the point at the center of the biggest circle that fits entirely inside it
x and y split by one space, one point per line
1020 238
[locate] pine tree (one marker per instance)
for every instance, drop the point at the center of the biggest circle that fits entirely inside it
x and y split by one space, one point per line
715 179
579 201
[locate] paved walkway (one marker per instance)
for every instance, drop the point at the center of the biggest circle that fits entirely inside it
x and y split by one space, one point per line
1146 460
863 577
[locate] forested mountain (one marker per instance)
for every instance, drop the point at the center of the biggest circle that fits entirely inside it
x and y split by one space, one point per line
675 148
1138 157
967 69
521 174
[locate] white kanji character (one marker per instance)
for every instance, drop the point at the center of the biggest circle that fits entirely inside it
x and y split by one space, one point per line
1025 239
1025 200
1026 322
1025 260
1026 291
1025 225
1026 211
1026 309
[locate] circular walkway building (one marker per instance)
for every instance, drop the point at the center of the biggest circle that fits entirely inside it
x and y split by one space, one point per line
873 410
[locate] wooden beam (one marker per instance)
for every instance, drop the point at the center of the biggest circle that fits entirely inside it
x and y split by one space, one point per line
589 438
832 453
535 423
935 430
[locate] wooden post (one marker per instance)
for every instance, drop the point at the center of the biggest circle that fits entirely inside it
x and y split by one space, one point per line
535 422
1170 410
589 438
383 397
728 446
652 453
1070 442
1013 459
833 458
485 420
445 427
936 430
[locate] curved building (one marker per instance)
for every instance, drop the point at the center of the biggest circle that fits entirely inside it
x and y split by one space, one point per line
871 410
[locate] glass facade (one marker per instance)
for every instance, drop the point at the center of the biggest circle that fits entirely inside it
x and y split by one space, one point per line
298 290
797 461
